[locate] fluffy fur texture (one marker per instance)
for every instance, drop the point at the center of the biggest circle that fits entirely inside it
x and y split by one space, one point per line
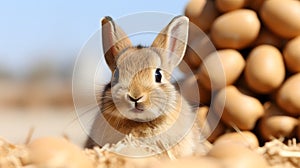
135 102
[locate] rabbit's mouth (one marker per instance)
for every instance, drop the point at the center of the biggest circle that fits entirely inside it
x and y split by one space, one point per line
140 114
137 110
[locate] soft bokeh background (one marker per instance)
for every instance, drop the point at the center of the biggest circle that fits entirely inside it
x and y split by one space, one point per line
39 42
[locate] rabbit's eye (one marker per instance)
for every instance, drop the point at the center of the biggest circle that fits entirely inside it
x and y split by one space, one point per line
158 75
116 75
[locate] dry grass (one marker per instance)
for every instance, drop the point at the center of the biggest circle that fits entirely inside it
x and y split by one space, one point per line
275 152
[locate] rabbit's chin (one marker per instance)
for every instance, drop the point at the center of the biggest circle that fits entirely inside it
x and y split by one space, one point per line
141 116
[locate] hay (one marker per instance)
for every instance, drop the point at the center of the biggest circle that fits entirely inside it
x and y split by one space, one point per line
277 153
12 156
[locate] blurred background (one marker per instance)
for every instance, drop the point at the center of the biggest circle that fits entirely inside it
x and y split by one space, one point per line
39 42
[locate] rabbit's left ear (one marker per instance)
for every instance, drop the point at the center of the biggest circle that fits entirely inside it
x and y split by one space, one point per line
172 40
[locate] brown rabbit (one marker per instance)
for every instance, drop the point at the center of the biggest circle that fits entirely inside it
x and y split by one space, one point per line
140 100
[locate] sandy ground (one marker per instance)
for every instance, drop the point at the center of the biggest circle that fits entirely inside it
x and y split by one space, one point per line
15 124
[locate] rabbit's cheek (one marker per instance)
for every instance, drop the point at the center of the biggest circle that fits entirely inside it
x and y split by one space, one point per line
126 106
146 104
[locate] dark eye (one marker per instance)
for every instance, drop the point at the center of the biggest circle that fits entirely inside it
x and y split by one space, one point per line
116 75
158 75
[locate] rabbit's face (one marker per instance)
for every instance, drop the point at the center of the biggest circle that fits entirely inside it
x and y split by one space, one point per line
141 89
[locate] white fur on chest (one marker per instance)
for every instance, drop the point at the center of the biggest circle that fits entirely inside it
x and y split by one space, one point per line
179 131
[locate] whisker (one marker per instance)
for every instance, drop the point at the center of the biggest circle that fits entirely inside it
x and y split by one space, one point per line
79 117
106 96
108 108
87 112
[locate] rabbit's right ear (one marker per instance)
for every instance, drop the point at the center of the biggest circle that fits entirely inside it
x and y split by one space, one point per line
173 41
114 40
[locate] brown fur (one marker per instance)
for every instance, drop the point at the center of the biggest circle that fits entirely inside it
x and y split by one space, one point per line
136 67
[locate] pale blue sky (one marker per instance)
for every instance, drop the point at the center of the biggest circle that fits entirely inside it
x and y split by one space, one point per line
41 30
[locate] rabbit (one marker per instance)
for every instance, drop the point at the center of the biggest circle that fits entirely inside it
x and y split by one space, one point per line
140 99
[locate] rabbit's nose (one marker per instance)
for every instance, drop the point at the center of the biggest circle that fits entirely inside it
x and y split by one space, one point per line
134 99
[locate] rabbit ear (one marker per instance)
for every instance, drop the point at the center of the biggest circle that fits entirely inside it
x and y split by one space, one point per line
172 41
114 40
